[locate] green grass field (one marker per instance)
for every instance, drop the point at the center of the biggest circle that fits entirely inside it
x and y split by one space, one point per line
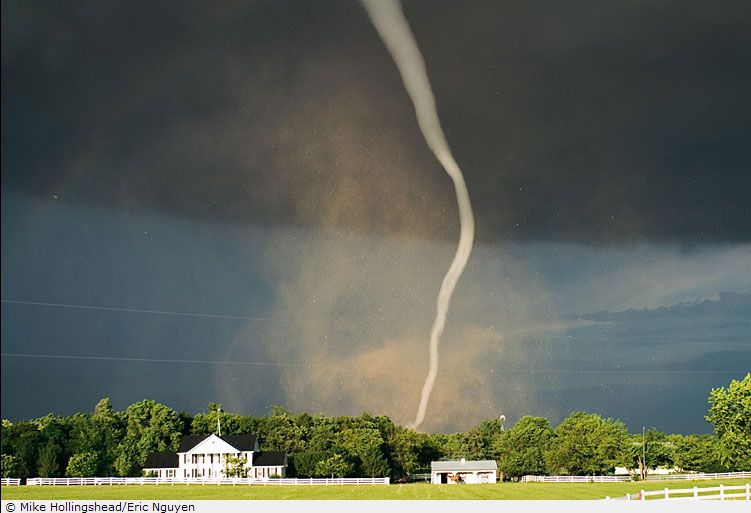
419 491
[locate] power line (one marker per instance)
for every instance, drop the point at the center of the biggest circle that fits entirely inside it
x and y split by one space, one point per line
673 339
276 364
138 310
539 339
147 360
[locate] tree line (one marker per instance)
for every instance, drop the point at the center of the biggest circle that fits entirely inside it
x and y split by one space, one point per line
107 442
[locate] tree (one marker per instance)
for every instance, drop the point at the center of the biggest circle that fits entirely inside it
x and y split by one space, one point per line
52 453
321 434
84 464
411 450
647 451
283 434
730 414
697 453
27 441
11 466
373 463
305 463
100 432
585 444
49 460
334 466
363 447
449 446
126 463
236 467
150 427
522 449
205 423
108 429
479 443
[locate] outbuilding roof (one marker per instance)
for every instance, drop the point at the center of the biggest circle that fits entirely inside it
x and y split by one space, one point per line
459 465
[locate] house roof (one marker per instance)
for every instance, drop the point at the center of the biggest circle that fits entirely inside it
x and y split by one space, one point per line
187 442
269 459
239 442
454 466
161 460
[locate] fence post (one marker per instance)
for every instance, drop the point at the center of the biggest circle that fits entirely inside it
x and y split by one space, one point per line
696 493
641 496
667 493
748 492
722 492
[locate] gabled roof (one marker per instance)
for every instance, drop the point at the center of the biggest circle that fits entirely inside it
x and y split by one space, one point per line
239 442
187 442
161 460
269 459
463 465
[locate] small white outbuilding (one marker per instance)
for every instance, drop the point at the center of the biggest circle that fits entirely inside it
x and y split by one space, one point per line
463 471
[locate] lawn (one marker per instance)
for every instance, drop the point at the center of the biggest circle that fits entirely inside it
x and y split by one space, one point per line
418 491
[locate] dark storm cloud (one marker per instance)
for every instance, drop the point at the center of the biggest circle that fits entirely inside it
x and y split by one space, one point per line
584 121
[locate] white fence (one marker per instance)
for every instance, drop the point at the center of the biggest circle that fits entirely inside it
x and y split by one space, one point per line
9 481
742 492
624 479
109 481
575 479
699 476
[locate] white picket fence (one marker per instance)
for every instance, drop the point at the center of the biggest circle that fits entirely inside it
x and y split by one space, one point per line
575 479
10 481
722 492
699 476
109 481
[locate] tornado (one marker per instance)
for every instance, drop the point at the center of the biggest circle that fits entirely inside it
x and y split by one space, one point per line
389 21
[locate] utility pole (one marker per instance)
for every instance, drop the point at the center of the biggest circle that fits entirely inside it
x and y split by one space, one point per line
643 453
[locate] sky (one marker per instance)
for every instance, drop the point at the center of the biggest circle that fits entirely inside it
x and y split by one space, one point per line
232 202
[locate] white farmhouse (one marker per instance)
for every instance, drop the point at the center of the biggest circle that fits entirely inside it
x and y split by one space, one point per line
205 456
463 471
